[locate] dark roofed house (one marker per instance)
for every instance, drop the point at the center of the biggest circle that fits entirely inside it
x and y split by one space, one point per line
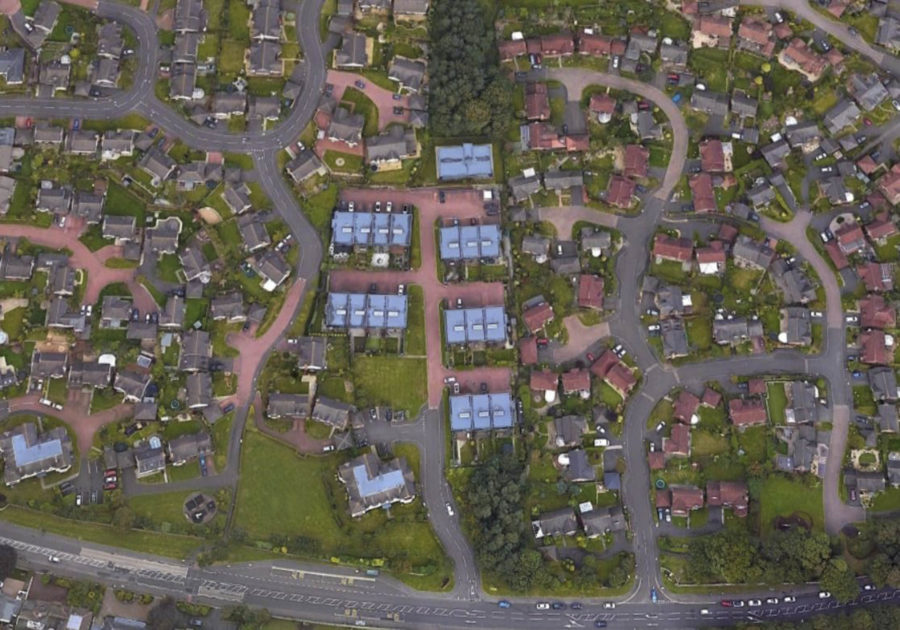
867 90
305 165
311 354
196 350
795 326
186 448
577 467
90 374
88 206
750 253
408 73
149 460
237 198
674 338
253 232
131 385
602 520
46 365
887 418
264 59
883 382
563 180
228 306
199 390
372 483
346 127
158 165
162 238
55 200
194 264
352 53
28 454
710 102
775 153
747 412
561 522
568 431
332 412
228 104
391 147
843 114
273 269
16 268
121 228
173 313
288 406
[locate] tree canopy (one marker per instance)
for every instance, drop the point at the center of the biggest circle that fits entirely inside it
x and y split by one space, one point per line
469 96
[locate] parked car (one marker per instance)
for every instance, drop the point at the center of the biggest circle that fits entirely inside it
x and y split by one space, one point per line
789 599
360 84
609 605
869 587
503 603
754 603
449 509
824 594
542 606
771 600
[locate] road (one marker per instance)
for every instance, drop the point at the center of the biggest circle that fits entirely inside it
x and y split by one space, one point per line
333 594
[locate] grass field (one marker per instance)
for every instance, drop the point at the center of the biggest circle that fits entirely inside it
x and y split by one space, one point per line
315 507
415 334
780 496
777 401
394 381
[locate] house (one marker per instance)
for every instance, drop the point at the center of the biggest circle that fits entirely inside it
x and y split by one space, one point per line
736 330
189 447
12 65
264 108
544 382
795 285
637 161
728 494
537 101
751 254
469 242
523 186
82 142
182 81
332 412
747 412
27 454
15 268
143 331
893 468
273 269
537 247
712 156
673 56
537 316
157 164
677 249
686 499
795 326
114 312
709 102
881 228
228 104
194 264
802 406
674 338
595 241
711 260
602 520
149 460
867 90
361 230
465 161
346 127
576 468
561 522
704 199
528 354
408 73
372 483
46 365
228 306
797 55
131 385
237 198
883 382
874 349
199 390
685 407
615 373
387 150
264 59
305 165
55 200
121 228
889 185
567 431
754 35
775 153
190 17
410 10
557 44
639 44
287 406
173 313
196 174
485 324
761 195
876 277
90 374
53 76
110 42
620 191
842 115
576 381
196 351
88 206
352 53
590 291
253 232
678 444
366 312
712 31
875 312
481 412
265 20
311 355
604 106
562 181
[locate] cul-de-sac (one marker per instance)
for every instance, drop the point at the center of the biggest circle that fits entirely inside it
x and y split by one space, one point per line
448 314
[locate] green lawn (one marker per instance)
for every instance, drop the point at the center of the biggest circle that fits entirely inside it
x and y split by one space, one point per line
415 332
315 509
777 401
394 381
362 104
13 322
231 56
163 508
782 496
706 444
343 162
700 332
889 500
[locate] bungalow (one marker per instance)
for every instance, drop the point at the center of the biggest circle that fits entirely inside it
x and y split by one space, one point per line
253 232
273 270
874 348
736 330
841 116
728 494
595 241
537 101
602 520
710 102
637 161
576 466
712 31
561 522
604 106
795 326
287 406
538 247
867 90
46 365
591 289
304 165
678 444
677 249
795 285
334 413
883 382
576 381
545 383
774 154
620 191
563 181
352 54
674 338
567 431
199 390
877 277
797 55
751 254
537 316
685 408
615 373
747 412
876 312
114 312
372 483
702 194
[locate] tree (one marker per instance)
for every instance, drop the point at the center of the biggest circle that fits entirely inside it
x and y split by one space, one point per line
840 580
7 561
163 616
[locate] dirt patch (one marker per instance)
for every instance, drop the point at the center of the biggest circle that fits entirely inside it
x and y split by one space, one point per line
797 519
209 215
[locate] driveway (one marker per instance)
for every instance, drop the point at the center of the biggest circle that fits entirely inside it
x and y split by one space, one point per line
564 218
582 339
383 99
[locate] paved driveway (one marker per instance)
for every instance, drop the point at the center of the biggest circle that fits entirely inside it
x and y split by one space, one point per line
383 99
564 218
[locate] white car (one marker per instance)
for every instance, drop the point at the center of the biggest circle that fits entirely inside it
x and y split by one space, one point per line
449 509
609 605
754 602
542 606
660 427
789 599
704 611
771 600
615 63
824 594
53 559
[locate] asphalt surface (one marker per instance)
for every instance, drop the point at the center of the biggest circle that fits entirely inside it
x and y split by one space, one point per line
339 595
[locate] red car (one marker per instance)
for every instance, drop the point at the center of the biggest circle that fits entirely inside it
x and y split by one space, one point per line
867 122
110 485
590 357
726 603
542 342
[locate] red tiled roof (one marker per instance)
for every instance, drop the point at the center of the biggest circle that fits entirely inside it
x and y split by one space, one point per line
867 165
686 406
805 57
685 500
727 232
714 25
663 498
837 256
621 378
528 350
711 398
756 386
875 312
537 316
543 381
877 277
873 350
510 48
731 494
543 136
671 248
557 44
712 156
850 237
637 160
593 44
590 291
783 30
679 443
656 460
578 142
747 412
881 227
889 185
602 104
575 381
715 253
620 191
604 362
702 193
755 31
537 103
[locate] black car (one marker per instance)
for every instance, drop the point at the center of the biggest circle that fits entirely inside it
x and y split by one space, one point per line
575 605
484 388
442 196
599 624
373 288
557 605
228 408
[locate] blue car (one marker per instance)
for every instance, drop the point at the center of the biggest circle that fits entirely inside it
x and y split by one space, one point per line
503 603
654 597
676 98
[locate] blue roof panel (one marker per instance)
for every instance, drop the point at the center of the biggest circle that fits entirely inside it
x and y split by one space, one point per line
466 160
470 242
381 229
26 455
362 310
481 412
473 325
379 483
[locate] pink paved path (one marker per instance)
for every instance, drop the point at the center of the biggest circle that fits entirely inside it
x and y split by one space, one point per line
383 99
